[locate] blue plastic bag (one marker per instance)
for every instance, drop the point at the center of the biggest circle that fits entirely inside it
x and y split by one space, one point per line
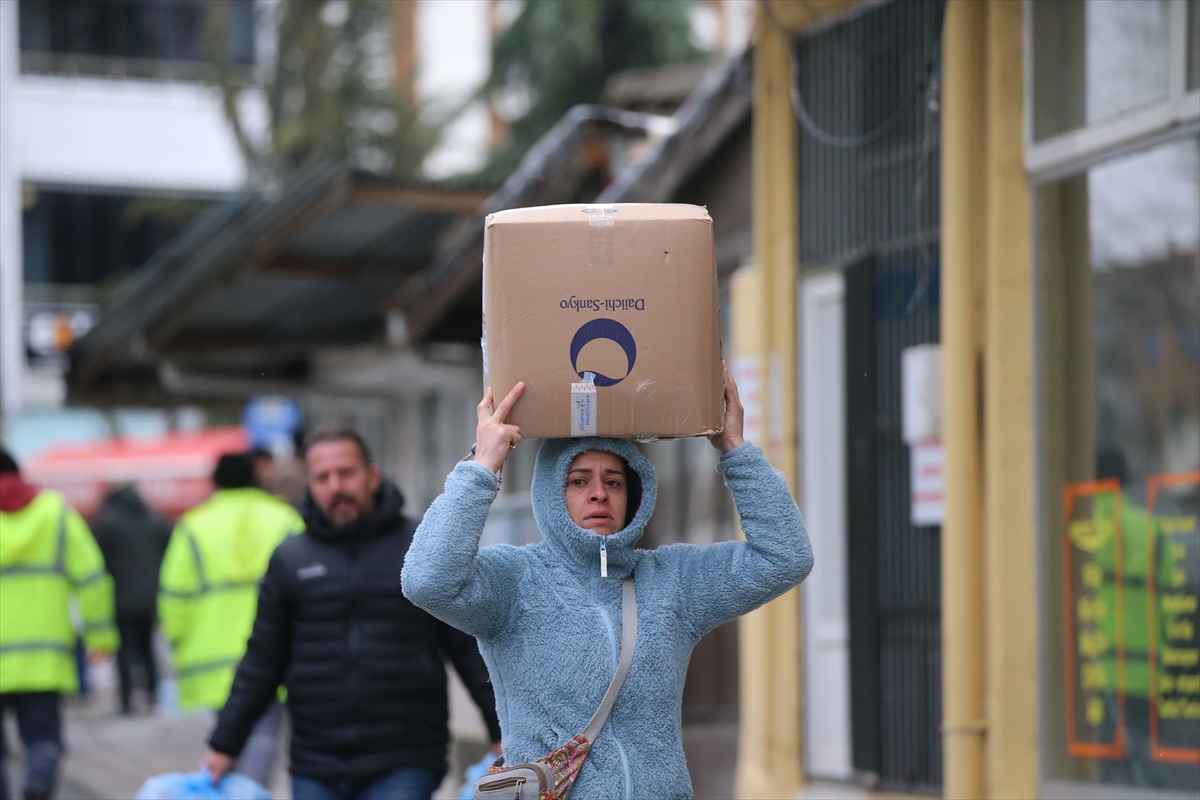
200 786
474 773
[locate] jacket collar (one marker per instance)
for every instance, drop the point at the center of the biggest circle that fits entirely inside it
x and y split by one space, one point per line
389 504
579 547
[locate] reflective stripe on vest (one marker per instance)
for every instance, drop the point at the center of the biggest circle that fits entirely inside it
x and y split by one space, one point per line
206 666
21 646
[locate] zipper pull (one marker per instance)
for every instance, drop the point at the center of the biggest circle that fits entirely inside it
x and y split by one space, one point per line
603 559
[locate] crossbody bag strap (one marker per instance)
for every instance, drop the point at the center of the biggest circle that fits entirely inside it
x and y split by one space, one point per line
628 645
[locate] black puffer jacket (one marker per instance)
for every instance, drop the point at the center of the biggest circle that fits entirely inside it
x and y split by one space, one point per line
133 538
363 667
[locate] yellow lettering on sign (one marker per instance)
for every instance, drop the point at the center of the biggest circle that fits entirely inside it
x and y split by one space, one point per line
1170 709
1093 643
1187 684
1095 676
1178 603
1191 710
1178 551
1177 526
1091 535
1092 608
1178 578
1166 683
1095 711
1093 575
1181 630
1177 657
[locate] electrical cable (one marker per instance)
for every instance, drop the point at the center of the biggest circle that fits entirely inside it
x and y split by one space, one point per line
884 128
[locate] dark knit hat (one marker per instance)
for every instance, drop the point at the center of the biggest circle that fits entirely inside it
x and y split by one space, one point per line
234 471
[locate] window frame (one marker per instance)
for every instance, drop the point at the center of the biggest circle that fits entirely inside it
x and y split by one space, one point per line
1178 116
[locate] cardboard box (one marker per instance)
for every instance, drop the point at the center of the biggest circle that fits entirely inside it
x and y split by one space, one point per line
610 316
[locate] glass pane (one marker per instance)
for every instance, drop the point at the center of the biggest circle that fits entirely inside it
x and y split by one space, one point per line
1095 59
1193 45
1119 450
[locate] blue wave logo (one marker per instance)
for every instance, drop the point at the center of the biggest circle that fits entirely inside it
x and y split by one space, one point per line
604 329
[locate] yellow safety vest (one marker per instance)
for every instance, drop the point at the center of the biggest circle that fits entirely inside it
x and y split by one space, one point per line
47 553
208 587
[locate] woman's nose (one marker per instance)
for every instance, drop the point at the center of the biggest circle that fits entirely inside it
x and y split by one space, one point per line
598 492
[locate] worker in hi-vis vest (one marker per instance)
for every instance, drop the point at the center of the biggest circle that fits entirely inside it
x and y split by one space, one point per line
208 593
47 554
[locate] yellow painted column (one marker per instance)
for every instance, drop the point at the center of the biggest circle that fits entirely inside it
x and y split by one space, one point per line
962 259
1009 507
769 639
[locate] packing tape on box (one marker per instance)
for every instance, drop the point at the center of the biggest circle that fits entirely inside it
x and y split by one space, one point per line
601 220
583 406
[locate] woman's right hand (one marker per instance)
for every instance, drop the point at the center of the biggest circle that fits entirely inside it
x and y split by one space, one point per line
494 438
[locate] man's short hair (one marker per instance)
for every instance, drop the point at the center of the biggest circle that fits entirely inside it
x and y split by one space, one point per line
338 434
258 451
8 463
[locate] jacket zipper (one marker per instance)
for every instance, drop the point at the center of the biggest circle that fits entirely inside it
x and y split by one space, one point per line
352 630
612 644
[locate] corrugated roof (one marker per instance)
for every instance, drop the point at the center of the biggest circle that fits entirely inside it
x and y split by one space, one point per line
312 266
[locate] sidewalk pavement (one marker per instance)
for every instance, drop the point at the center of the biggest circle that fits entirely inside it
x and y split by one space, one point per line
110 756
828 790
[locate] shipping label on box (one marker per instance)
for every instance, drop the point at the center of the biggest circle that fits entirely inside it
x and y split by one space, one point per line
609 314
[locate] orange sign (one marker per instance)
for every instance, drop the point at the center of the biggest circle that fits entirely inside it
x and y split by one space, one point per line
1095 625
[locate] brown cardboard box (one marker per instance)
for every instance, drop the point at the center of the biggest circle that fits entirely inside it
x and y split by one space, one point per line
623 294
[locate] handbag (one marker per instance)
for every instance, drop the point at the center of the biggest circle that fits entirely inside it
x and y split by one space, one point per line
552 776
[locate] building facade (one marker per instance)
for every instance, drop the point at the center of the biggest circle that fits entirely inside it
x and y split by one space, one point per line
997 200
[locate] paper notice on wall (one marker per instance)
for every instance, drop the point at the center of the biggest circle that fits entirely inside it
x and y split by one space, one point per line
747 374
928 483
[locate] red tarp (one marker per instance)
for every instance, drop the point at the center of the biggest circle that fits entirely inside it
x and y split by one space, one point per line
172 472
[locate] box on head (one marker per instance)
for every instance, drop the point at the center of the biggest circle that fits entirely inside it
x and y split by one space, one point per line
609 314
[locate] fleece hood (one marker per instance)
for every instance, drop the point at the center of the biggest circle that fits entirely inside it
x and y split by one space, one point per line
579 545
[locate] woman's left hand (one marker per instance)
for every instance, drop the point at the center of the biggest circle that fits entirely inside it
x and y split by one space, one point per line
731 436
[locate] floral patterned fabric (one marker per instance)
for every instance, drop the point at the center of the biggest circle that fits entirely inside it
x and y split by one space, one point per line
564 763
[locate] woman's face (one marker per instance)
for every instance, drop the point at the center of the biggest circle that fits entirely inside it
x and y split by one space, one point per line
596 492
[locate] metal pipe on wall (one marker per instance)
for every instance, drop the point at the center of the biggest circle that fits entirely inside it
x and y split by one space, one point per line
963 183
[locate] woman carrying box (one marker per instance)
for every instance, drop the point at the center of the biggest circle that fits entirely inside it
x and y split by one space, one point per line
548 616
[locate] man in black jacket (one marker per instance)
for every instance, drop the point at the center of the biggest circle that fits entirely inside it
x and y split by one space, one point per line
363 667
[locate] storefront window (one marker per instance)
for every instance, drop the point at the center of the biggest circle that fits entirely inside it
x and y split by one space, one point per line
1094 60
1193 45
1119 456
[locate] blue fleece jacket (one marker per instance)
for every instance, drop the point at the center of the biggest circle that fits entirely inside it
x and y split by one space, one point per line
549 626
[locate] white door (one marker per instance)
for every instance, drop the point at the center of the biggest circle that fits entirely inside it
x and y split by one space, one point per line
826 618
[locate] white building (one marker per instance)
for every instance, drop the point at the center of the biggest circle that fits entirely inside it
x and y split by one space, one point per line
109 139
